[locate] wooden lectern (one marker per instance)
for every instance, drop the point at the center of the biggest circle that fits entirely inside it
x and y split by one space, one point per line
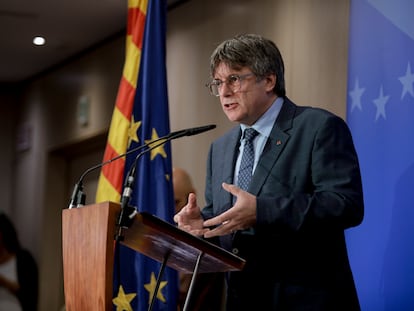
88 252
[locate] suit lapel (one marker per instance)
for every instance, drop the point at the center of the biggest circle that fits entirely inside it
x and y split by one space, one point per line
229 156
274 146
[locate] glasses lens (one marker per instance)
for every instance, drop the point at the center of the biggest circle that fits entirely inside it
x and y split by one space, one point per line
213 88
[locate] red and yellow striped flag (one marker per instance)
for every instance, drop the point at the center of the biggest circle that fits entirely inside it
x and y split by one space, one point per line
111 177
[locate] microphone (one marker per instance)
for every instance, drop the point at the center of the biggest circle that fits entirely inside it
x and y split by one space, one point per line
192 131
78 197
125 221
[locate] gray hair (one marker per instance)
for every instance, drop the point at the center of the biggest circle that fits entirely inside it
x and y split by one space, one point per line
259 54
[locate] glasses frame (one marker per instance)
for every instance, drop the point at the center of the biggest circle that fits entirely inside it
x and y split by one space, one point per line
233 81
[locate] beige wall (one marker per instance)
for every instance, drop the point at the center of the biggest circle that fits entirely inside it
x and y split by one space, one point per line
311 34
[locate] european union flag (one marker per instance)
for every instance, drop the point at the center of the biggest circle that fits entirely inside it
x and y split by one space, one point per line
135 274
381 118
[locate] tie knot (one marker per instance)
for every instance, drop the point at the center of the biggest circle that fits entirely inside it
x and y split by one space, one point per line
250 133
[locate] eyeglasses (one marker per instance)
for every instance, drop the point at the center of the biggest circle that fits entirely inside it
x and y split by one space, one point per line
232 81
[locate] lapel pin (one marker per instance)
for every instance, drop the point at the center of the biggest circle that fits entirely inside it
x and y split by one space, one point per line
278 142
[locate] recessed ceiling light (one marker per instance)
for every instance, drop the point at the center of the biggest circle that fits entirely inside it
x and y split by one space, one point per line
39 41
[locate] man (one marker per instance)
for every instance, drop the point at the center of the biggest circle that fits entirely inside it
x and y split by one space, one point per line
305 188
208 288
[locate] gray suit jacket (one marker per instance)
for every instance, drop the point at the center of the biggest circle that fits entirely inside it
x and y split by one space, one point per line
309 190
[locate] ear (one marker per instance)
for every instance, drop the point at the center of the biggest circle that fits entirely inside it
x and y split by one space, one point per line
270 81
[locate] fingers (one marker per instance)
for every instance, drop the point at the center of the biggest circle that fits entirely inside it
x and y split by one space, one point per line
192 201
225 217
221 219
226 227
198 232
220 225
176 218
189 217
222 222
188 208
238 217
234 190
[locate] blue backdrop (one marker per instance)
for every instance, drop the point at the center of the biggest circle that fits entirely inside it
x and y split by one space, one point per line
381 116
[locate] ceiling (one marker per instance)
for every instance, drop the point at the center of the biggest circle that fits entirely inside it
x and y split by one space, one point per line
69 26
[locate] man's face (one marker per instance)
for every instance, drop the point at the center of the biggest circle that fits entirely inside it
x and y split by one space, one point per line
247 103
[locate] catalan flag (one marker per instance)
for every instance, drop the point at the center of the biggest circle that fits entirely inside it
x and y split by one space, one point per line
381 118
140 116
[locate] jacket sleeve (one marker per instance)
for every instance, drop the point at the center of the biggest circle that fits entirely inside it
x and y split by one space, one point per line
321 179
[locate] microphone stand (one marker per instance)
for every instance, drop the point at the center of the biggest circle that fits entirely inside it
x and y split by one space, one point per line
78 197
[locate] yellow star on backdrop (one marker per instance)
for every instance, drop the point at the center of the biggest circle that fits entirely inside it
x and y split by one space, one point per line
133 131
122 301
150 287
158 150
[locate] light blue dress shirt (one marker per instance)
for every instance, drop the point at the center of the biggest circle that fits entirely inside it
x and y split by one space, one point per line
264 127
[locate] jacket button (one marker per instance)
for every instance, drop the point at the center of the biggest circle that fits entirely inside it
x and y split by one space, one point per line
235 251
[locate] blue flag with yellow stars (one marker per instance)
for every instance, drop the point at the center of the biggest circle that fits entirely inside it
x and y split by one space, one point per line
380 113
135 274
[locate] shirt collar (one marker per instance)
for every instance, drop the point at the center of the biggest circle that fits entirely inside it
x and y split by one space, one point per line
265 123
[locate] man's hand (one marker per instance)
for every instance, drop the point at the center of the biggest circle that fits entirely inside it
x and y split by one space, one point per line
189 218
241 216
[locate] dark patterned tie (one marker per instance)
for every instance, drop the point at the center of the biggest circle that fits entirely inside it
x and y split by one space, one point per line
247 161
